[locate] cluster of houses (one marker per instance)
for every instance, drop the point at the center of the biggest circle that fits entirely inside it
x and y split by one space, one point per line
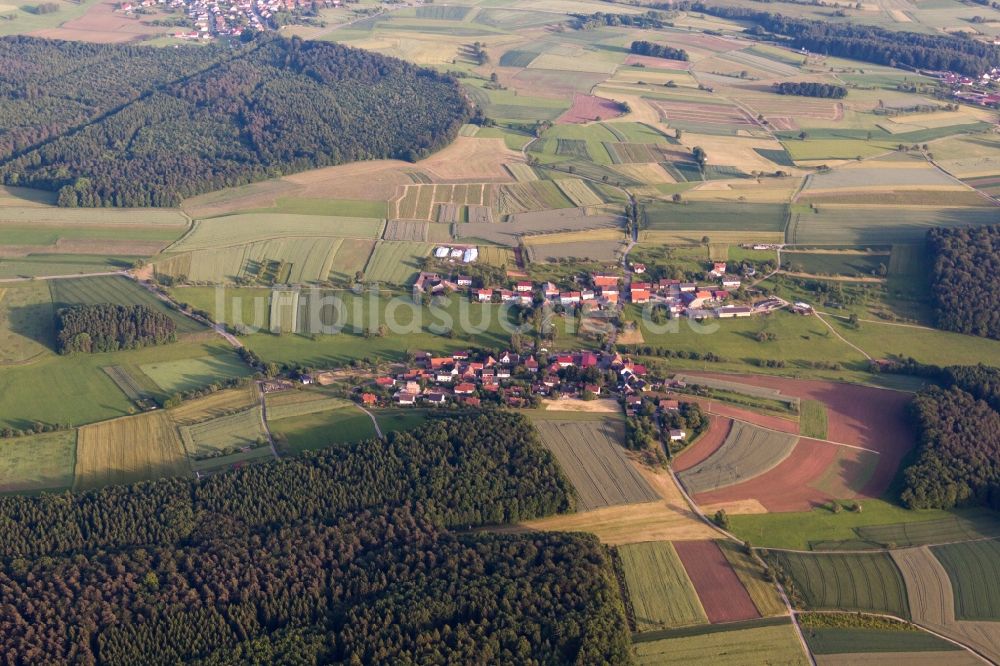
970 89
604 290
225 18
468 378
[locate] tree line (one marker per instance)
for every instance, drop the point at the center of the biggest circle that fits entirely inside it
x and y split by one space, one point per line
112 125
642 47
810 89
341 555
965 279
861 42
106 327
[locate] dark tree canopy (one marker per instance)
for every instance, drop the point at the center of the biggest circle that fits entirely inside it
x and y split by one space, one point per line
641 47
862 42
958 453
342 555
810 89
113 125
108 327
966 279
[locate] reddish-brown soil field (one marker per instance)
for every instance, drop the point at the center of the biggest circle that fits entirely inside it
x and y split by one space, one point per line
709 443
863 416
815 473
588 108
658 63
720 590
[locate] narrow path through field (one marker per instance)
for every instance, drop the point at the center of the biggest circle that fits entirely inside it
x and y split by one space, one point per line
263 421
378 430
884 323
843 339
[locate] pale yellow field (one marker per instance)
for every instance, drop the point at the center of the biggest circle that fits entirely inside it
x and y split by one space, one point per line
652 174
769 190
129 449
576 405
640 111
735 508
214 405
736 151
575 236
472 158
694 237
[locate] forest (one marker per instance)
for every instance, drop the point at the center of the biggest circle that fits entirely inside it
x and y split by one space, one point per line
107 327
642 47
120 125
810 89
861 42
965 279
958 450
342 555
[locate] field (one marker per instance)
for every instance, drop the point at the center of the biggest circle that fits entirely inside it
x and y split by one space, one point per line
538 223
184 374
850 264
37 462
709 217
707 444
26 322
974 570
660 592
851 641
128 449
855 582
748 451
214 405
396 262
529 196
843 224
591 455
588 108
224 435
813 419
578 192
113 289
708 118
323 428
126 382
232 230
775 644
723 596
751 574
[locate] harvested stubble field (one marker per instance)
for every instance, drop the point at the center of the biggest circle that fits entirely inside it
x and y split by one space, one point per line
590 108
869 582
659 589
578 192
232 431
396 262
775 644
719 588
129 449
472 159
536 195
748 452
37 462
592 457
406 230
232 230
214 405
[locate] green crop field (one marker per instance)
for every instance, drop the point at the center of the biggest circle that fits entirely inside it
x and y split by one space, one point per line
113 289
659 589
289 404
593 459
224 435
776 644
851 264
321 429
830 640
38 462
396 262
709 216
873 225
241 229
813 419
189 373
851 582
748 451
974 570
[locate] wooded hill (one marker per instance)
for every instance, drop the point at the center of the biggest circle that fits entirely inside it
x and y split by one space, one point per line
342 555
119 125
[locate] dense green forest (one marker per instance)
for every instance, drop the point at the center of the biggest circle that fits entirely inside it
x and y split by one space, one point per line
342 555
112 125
642 47
810 89
958 452
108 327
861 42
966 279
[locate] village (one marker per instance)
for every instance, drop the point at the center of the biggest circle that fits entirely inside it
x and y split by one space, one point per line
211 19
